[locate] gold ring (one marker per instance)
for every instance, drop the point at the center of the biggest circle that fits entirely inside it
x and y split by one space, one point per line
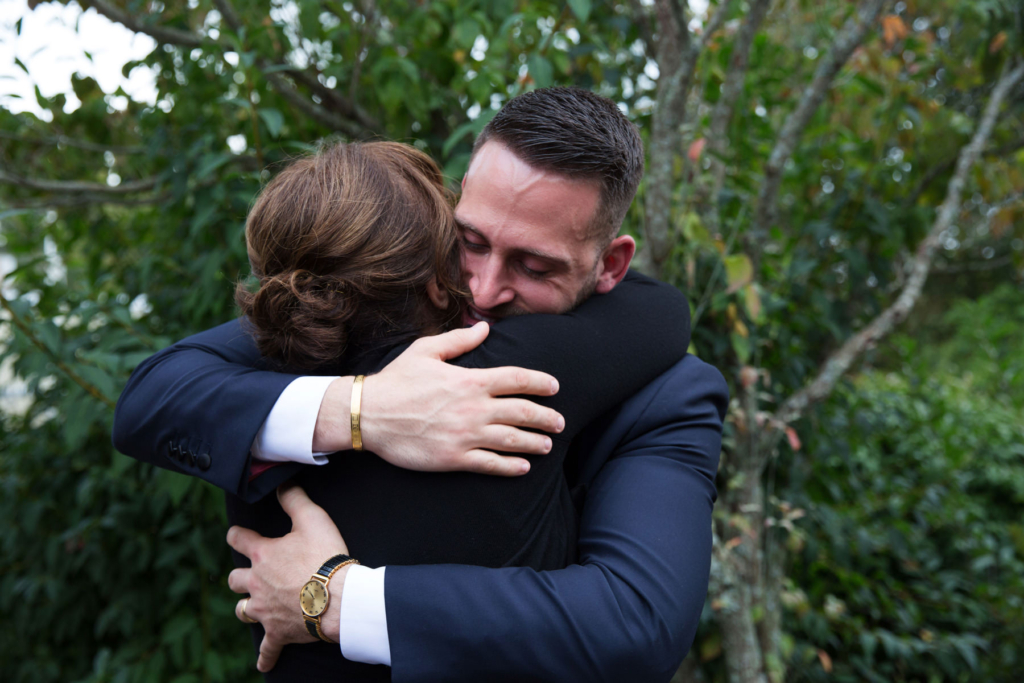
245 617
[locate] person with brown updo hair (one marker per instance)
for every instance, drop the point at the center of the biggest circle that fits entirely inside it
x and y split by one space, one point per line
356 253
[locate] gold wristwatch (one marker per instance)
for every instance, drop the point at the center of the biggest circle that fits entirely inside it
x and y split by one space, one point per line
314 598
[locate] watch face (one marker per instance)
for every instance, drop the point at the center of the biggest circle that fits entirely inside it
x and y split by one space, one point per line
313 599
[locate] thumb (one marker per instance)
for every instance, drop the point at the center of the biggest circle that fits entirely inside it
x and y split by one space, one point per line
295 502
457 342
306 515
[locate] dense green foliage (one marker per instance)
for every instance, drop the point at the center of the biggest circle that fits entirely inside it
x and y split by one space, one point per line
907 563
912 565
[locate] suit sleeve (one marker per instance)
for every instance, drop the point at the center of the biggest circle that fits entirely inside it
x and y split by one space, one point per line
196 406
602 352
629 610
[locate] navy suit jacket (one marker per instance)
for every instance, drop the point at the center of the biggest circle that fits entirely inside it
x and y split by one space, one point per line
644 475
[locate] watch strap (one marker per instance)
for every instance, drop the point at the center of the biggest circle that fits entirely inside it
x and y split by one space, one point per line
313 627
331 565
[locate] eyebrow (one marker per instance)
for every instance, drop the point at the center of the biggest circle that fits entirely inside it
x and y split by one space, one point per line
556 262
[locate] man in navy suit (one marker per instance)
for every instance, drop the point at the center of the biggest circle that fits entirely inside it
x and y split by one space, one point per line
644 474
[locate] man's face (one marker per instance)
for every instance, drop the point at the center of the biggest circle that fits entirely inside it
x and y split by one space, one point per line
526 240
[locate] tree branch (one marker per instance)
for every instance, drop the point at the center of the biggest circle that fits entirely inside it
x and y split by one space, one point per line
319 114
72 375
75 186
188 39
937 170
677 62
715 22
64 141
88 199
851 35
161 34
840 361
732 88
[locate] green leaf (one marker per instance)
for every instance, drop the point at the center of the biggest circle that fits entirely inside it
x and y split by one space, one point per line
966 651
741 345
274 121
176 485
540 70
211 162
752 302
581 8
99 379
79 416
694 230
465 33
474 127
739 271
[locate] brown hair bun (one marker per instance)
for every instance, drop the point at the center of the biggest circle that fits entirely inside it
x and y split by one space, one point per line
308 315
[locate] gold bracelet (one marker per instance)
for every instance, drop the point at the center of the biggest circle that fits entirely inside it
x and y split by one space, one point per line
357 398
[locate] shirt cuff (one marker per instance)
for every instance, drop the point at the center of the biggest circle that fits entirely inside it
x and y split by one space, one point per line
363 635
287 433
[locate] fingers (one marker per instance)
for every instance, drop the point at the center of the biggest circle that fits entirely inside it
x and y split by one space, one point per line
243 611
519 412
455 343
238 580
505 381
269 652
485 462
512 440
244 540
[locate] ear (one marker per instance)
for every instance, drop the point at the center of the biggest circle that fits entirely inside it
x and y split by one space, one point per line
437 297
614 262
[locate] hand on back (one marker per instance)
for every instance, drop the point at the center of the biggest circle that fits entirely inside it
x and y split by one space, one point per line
421 413
280 567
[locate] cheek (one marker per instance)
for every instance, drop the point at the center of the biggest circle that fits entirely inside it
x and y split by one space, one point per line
542 297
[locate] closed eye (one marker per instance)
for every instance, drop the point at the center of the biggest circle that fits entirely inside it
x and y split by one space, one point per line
474 246
530 272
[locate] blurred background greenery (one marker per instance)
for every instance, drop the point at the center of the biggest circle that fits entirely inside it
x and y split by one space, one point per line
874 533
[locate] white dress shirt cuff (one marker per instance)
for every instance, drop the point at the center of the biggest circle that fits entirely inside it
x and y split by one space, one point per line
363 636
287 433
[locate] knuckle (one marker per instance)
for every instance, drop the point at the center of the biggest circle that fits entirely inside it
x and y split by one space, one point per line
489 466
522 379
511 439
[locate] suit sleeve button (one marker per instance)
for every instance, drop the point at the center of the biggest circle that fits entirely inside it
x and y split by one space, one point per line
204 461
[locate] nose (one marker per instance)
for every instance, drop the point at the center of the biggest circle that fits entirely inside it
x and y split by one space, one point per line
489 286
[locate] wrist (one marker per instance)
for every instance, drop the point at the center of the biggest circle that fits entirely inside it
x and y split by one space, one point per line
370 412
330 620
333 430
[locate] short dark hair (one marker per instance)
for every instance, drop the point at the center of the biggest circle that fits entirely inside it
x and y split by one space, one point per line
578 134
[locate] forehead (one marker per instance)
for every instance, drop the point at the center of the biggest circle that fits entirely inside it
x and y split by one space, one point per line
503 197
